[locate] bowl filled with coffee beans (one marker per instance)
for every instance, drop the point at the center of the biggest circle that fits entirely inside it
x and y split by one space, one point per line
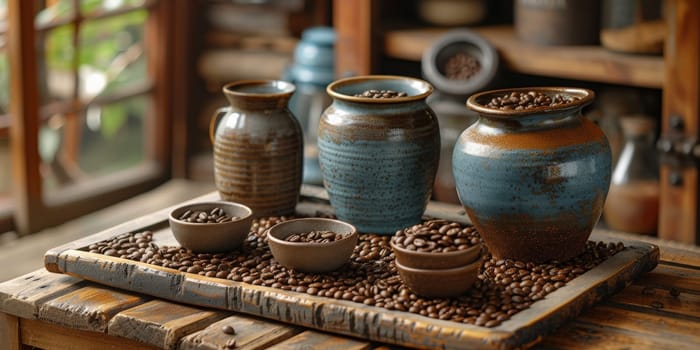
216 226
312 244
436 244
437 258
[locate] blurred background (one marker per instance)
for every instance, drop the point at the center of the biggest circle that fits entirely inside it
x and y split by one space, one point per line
103 101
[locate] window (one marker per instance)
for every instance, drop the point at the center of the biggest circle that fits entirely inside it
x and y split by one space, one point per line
87 121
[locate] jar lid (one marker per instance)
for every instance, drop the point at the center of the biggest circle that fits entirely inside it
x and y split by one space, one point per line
316 47
637 124
471 46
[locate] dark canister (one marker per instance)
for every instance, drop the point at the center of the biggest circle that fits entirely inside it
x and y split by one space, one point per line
558 22
379 145
258 147
532 172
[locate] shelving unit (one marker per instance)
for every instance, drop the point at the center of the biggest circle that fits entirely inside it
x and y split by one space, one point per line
590 63
365 38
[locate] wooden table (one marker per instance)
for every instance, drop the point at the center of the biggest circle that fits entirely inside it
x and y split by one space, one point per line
54 311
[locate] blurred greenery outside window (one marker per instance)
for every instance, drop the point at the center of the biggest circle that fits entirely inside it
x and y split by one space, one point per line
82 65
5 162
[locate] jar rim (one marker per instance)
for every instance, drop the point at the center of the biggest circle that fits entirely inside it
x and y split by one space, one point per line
259 87
421 89
477 102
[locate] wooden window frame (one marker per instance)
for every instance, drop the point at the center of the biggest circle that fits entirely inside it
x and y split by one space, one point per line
166 30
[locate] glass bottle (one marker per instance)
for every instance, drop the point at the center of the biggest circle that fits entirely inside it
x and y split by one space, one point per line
633 200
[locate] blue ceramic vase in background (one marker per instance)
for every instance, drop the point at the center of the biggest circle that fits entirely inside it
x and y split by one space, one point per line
533 181
379 156
312 71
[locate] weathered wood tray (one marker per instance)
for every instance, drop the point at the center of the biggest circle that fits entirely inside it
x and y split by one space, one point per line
345 317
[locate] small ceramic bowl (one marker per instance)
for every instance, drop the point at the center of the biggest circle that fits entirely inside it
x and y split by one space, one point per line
438 260
439 283
212 237
312 257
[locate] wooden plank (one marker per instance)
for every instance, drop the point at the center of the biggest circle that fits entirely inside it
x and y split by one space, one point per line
591 63
250 334
584 335
661 302
161 323
88 308
9 332
318 340
44 335
678 215
668 277
645 324
22 296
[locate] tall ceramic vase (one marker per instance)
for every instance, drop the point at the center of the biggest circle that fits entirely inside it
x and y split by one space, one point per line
533 181
379 156
258 147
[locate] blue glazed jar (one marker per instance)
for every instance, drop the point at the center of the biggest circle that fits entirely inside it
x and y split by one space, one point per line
311 72
533 181
379 156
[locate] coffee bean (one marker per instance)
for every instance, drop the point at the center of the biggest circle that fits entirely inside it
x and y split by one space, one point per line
228 329
528 100
461 66
215 215
436 236
315 237
381 94
503 287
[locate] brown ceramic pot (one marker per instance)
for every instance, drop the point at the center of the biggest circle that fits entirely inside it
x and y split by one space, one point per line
258 147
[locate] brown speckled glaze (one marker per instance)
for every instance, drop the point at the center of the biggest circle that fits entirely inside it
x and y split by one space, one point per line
258 147
533 181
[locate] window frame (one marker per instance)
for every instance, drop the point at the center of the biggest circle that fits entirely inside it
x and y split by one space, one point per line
32 209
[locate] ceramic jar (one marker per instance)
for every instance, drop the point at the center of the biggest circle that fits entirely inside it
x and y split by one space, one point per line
258 147
378 156
533 181
312 71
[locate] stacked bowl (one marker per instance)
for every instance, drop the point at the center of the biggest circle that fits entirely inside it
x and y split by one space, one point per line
438 258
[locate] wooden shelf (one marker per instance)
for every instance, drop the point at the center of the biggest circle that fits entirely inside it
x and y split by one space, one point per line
590 63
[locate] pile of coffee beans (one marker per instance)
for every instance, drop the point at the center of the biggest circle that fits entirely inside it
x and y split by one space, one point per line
315 237
437 236
503 287
381 94
461 66
214 216
528 100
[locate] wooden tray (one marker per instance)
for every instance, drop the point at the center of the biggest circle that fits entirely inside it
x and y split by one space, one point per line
340 316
